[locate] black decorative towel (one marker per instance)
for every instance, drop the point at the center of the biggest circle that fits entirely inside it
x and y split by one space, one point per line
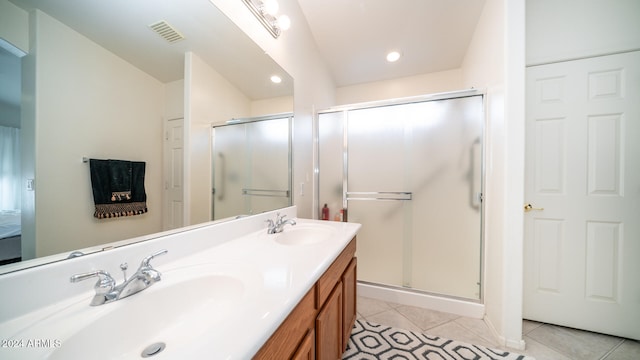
120 178
118 188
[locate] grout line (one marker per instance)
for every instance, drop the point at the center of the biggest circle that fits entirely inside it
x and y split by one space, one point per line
613 349
538 325
482 335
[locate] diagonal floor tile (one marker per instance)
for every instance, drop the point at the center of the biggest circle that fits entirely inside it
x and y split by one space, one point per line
629 350
575 344
424 318
395 319
367 306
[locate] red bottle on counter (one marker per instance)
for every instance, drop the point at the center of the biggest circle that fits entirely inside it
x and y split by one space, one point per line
325 212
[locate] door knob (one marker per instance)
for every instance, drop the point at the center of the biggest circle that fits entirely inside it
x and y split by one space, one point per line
530 207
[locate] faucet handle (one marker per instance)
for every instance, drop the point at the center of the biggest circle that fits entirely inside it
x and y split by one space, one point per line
280 218
146 261
105 280
124 266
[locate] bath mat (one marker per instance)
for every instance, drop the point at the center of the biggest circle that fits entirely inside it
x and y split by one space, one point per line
370 341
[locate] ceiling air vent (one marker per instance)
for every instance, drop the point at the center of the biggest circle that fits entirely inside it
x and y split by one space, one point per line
167 32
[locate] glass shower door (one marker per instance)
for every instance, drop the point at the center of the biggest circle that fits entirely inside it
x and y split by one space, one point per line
228 157
251 167
414 182
447 188
378 193
268 177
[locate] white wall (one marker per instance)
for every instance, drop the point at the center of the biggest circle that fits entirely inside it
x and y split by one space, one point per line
209 99
483 68
174 96
513 215
573 29
270 106
495 62
84 101
443 81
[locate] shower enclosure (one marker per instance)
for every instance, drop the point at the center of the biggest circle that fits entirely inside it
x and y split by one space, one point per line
251 165
411 173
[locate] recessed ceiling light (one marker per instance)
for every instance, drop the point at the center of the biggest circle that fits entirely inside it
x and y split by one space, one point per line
393 56
276 79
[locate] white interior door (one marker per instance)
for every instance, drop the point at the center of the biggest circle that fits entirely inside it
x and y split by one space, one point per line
582 237
174 174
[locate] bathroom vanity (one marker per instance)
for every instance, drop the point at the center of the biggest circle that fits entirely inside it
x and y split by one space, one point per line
226 290
320 325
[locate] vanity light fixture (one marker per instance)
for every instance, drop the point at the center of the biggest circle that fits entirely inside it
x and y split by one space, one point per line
393 56
266 11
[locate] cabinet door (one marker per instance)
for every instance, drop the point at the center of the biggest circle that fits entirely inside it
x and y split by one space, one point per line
349 302
307 350
329 327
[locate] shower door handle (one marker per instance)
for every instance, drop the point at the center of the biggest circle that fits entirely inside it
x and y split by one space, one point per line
223 176
379 195
266 192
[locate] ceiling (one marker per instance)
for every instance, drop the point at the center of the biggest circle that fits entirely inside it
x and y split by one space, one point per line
122 27
354 36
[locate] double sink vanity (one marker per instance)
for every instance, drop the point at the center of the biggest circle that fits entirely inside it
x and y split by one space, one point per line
260 287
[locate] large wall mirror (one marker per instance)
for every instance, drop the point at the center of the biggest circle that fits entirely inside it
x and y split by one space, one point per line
102 80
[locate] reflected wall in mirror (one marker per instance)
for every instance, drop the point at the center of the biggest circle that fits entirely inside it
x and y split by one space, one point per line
252 166
98 82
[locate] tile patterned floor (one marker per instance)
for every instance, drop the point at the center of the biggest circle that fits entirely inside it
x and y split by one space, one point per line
544 341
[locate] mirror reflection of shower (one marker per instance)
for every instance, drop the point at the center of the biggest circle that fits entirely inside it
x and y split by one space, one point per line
251 165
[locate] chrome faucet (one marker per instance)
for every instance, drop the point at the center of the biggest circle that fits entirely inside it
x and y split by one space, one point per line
277 226
106 288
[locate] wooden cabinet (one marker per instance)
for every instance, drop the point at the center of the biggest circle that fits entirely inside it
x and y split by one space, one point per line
291 333
320 325
341 278
307 349
349 301
329 327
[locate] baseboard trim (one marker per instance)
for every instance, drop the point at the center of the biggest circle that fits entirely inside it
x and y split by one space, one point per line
502 341
433 302
496 335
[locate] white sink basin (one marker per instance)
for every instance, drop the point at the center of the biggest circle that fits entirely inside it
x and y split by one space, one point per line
168 318
304 234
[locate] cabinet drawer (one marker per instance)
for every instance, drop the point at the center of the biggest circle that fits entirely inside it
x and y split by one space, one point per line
333 275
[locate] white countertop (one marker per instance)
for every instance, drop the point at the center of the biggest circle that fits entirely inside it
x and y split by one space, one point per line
285 275
274 279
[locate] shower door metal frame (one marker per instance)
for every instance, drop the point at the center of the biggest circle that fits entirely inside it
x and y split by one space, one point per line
345 109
